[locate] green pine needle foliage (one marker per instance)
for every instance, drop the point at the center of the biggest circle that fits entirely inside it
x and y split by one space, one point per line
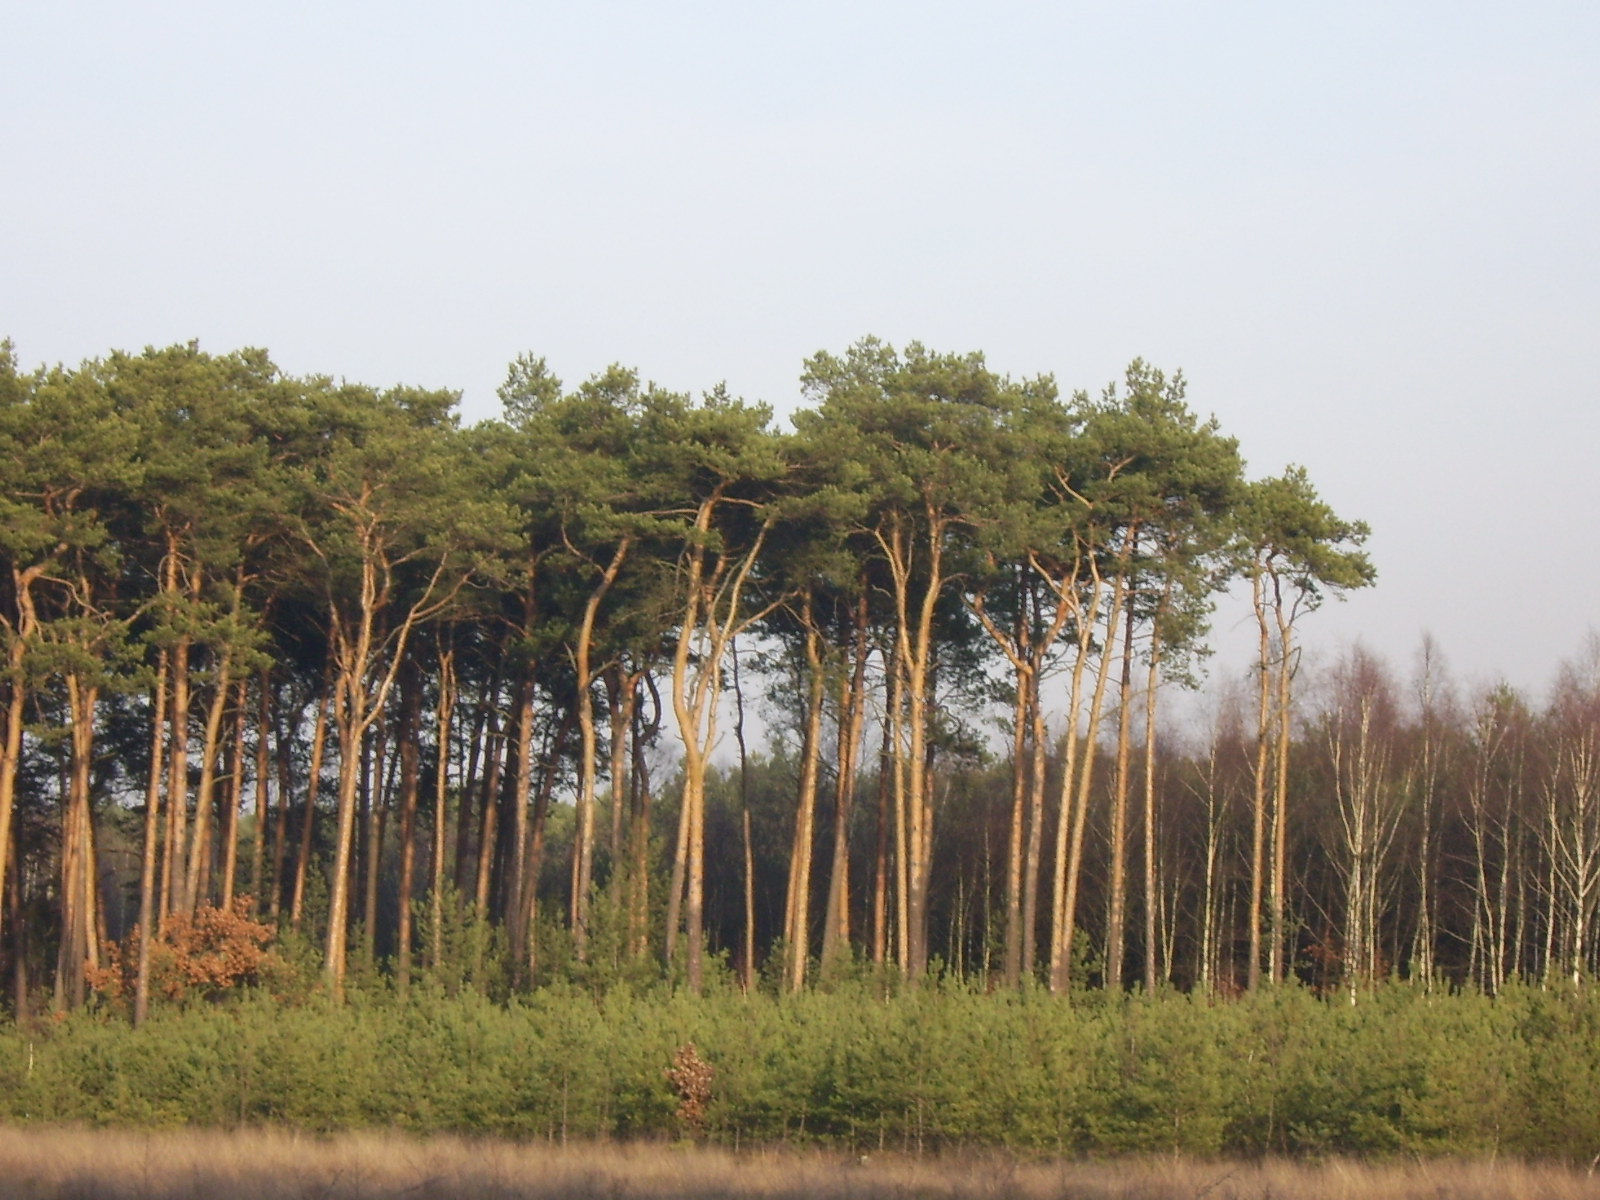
1278 1072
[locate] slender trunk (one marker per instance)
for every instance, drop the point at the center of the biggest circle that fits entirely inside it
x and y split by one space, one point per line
1016 834
1259 808
919 799
319 743
284 746
902 877
1151 884
536 835
410 785
1085 781
713 615
747 971
152 833
263 768
443 712
1033 857
836 932
177 784
1280 806
230 834
1068 820
494 753
619 706
79 948
797 931
20 1008
639 790
465 860
680 871
521 798
16 707
195 890
880 856
1026 647
350 711
747 954
583 842
1205 973
1116 938
375 795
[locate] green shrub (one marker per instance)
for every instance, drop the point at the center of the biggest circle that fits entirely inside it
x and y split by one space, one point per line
1279 1071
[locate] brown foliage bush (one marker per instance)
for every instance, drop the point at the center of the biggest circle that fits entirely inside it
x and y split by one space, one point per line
690 1077
209 955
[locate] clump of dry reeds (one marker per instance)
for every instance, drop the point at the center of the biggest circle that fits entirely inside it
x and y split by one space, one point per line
80 1165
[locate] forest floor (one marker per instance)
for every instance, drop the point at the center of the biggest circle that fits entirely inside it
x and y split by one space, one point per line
198 1165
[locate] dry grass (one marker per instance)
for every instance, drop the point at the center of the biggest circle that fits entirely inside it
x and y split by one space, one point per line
80 1165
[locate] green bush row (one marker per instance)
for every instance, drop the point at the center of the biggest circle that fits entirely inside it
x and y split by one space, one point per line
1277 1072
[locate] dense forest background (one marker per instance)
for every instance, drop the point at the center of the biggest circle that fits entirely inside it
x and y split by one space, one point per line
630 685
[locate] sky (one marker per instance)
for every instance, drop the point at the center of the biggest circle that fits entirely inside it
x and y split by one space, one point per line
1368 234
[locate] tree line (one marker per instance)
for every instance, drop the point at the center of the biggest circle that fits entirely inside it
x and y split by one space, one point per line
320 653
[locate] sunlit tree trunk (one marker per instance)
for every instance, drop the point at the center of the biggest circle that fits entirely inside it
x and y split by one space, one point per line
1085 783
263 813
319 743
410 786
797 926
1063 915
443 712
80 945
19 636
230 833
1151 882
1116 936
852 709
199 858
583 844
489 821
152 833
521 800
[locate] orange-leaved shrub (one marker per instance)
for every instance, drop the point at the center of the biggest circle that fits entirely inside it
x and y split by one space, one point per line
205 956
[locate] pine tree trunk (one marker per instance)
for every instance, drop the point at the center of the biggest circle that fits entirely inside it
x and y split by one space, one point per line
319 743
152 835
797 930
1262 778
177 785
1085 785
1280 806
79 947
410 785
195 890
1116 935
494 755
521 799
230 835
263 812
747 956
880 856
443 712
376 792
1016 835
1151 883
836 933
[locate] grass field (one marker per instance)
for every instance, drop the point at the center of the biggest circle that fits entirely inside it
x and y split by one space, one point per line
95 1165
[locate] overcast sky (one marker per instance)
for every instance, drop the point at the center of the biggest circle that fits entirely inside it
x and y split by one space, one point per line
1369 234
